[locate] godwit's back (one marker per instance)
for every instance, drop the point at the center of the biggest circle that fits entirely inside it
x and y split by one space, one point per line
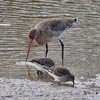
52 28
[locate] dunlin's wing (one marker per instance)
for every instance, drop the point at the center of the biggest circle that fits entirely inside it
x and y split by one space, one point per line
61 72
44 61
56 78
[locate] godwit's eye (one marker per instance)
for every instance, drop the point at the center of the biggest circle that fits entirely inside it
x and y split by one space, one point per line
31 36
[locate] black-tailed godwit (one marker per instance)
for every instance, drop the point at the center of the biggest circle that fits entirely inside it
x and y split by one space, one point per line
47 31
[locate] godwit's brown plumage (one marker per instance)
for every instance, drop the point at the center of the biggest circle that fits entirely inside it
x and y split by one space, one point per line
47 31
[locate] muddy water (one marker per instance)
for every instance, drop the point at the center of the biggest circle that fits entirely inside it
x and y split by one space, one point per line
82 41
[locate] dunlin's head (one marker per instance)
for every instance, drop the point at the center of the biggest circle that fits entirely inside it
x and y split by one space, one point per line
72 78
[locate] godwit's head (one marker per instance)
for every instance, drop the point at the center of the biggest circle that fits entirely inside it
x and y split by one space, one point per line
32 36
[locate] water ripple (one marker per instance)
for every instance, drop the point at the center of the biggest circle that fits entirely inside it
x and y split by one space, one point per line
82 41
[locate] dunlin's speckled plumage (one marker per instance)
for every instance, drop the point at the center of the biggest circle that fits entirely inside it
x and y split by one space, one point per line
47 31
61 74
39 64
43 62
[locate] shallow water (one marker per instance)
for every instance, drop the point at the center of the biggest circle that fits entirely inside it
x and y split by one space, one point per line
82 41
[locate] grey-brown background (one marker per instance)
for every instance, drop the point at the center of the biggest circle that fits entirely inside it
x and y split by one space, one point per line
82 41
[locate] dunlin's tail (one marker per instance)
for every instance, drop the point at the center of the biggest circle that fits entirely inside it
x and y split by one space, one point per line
38 66
23 63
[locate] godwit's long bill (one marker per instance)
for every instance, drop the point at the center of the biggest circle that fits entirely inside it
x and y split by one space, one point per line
47 31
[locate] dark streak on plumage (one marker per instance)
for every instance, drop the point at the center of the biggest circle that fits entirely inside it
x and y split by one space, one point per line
44 61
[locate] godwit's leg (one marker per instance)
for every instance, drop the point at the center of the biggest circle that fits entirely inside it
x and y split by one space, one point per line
46 50
62 46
